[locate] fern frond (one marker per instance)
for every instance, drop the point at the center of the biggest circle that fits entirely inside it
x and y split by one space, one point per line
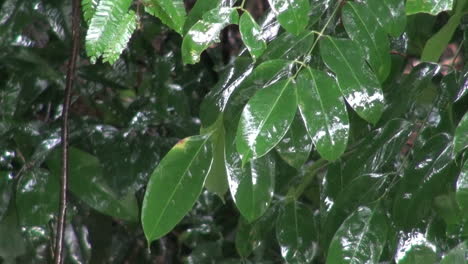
171 12
108 20
89 8
122 34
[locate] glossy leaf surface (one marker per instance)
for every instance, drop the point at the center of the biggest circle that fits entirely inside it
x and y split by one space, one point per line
390 14
170 12
288 46
206 32
37 198
432 7
457 255
296 233
110 30
198 10
85 181
217 179
291 14
364 29
252 185
324 112
415 248
175 185
296 145
462 190
357 82
360 239
251 34
266 119
461 135
251 236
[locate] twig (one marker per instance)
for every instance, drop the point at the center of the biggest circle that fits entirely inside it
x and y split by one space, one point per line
71 72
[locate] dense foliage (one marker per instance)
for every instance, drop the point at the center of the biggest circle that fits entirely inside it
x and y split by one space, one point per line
222 131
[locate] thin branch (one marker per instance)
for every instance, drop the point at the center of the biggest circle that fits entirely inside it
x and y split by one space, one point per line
71 73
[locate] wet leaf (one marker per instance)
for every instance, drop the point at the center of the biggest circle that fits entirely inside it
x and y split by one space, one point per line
390 14
296 145
293 15
217 179
414 248
170 12
288 46
324 112
37 198
6 188
462 189
198 10
266 119
296 233
432 7
458 254
461 135
175 185
250 236
85 181
364 29
357 82
206 32
251 34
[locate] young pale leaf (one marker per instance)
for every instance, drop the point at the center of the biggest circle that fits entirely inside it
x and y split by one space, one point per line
89 8
266 119
251 185
251 34
462 190
360 239
206 32
324 112
425 178
390 14
296 233
85 181
415 248
293 15
37 198
364 29
175 185
170 12
461 135
296 145
357 82
458 255
432 7
110 29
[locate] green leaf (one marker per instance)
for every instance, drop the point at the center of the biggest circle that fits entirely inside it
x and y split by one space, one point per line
85 181
198 10
296 145
37 198
460 140
357 82
206 32
250 236
458 255
175 185
251 185
89 9
13 243
364 29
293 15
266 119
425 178
288 46
170 12
324 112
251 34
296 233
436 45
462 189
390 14
6 190
217 179
432 7
414 248
360 239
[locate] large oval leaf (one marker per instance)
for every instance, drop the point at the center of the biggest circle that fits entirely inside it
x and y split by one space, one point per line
390 14
251 34
360 239
324 112
206 32
461 135
296 233
217 179
252 185
293 15
357 82
170 12
266 119
432 7
415 248
364 29
175 185
296 145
